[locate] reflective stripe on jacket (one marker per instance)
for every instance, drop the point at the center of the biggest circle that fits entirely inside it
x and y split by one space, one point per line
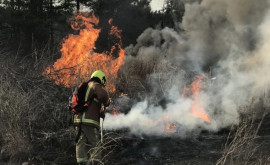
85 120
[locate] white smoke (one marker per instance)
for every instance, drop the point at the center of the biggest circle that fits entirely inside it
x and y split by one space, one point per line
229 37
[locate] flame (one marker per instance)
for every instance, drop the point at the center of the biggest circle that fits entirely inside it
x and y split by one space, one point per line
79 59
169 127
197 107
115 31
115 111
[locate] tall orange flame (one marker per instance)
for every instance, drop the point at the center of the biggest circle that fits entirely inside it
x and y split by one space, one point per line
197 107
79 59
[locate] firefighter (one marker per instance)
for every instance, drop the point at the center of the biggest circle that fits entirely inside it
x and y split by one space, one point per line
88 122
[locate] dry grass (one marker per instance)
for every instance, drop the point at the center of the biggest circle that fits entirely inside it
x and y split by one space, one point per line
32 108
241 147
149 77
14 104
110 142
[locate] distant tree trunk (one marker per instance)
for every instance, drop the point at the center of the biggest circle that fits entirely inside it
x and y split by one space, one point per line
78 5
12 4
19 4
36 6
67 3
32 6
40 5
51 27
51 6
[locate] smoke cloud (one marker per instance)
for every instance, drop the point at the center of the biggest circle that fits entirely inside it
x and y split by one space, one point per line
227 41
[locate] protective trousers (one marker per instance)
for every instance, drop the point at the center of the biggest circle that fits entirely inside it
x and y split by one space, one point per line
86 147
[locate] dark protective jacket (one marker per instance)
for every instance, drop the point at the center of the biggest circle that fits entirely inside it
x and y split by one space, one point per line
95 96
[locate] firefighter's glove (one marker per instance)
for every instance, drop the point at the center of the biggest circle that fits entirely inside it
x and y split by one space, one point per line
110 101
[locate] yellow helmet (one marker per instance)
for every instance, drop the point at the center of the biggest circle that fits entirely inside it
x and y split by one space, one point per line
100 76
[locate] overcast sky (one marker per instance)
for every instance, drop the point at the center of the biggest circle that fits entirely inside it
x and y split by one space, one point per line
157 4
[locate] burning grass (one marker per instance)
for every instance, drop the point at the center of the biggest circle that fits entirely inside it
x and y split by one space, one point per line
34 121
79 59
34 124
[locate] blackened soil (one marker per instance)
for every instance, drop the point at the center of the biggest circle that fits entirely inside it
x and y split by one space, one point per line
203 149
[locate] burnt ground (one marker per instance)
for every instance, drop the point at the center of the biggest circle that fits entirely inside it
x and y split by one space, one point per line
203 149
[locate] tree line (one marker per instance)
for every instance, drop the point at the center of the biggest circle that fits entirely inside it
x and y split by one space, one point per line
29 25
